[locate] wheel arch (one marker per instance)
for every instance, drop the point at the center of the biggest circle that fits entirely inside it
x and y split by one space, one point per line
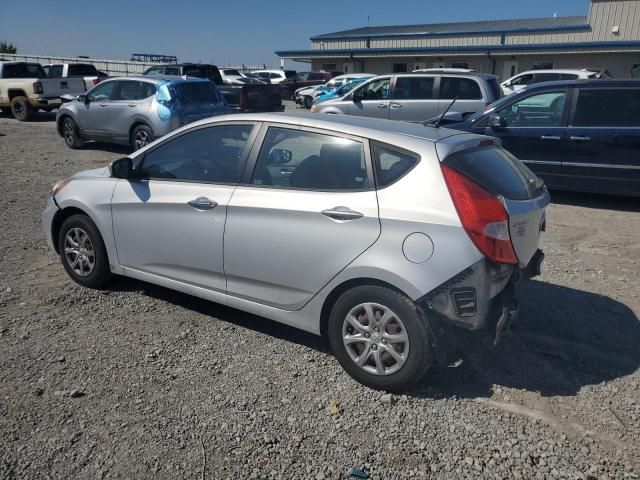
136 123
16 92
338 290
61 119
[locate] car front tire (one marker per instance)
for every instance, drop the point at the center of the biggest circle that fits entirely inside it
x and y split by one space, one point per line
70 134
83 253
379 338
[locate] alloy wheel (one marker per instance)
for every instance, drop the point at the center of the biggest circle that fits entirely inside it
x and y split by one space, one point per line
375 339
141 139
69 132
79 252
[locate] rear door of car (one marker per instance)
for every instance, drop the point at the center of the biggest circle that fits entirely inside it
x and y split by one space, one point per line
466 91
375 100
534 130
306 209
414 99
130 100
603 145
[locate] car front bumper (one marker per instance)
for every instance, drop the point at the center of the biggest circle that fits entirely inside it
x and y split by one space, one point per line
47 222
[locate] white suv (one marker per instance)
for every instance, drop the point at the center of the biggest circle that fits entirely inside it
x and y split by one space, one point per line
530 77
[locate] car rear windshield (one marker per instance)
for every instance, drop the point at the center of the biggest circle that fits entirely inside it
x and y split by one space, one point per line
211 73
23 70
82 70
497 171
195 92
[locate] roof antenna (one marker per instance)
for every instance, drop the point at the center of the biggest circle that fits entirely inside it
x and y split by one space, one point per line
368 20
446 110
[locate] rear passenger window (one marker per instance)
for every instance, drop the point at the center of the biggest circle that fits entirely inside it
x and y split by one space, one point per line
128 90
213 154
310 161
460 88
390 165
413 88
608 108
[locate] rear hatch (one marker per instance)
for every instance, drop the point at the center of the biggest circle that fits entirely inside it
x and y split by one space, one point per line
523 194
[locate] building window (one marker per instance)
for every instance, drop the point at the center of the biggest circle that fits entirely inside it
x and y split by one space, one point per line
329 67
399 68
543 65
464 65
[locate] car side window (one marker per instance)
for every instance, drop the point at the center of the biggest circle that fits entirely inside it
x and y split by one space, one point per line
55 71
376 90
460 88
541 110
608 108
310 161
390 165
413 88
211 155
174 71
154 71
545 77
128 90
102 92
523 79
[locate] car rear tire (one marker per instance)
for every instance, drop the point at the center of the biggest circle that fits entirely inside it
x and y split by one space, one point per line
308 101
141 137
379 338
70 134
83 253
21 109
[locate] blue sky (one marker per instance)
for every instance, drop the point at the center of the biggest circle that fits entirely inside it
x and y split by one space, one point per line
226 31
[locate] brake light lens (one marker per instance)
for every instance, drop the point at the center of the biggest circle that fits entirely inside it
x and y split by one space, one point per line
59 185
37 87
483 217
95 81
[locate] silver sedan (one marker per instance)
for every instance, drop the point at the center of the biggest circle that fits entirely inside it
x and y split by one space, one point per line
382 236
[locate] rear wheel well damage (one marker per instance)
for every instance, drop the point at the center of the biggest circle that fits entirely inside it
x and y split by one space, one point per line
59 218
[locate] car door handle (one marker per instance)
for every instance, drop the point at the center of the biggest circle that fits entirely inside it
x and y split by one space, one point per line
342 213
580 139
382 105
550 137
132 105
396 105
202 203
103 104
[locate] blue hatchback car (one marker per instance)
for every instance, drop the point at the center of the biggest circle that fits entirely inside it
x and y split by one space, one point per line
581 135
329 93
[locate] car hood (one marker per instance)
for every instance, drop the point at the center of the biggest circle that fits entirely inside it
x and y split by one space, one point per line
93 173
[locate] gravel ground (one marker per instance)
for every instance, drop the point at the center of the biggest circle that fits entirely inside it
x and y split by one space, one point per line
142 382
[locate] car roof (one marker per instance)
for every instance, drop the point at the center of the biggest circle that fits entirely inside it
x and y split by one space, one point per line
159 78
352 125
584 82
559 70
484 76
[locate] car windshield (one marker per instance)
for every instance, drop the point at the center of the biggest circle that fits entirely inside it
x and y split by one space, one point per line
82 70
23 70
495 105
301 77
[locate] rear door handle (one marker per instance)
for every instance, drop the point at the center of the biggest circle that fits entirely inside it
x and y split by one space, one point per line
342 213
396 105
132 105
580 139
202 203
382 105
550 137
103 104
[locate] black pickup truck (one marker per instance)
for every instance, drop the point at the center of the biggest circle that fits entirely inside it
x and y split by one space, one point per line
253 97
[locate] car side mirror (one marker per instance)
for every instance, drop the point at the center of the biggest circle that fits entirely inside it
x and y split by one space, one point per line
496 121
121 168
83 99
280 156
506 84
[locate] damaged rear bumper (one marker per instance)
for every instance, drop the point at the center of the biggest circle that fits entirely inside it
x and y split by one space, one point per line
486 296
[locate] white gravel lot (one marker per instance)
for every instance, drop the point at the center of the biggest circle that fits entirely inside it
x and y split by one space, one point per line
142 382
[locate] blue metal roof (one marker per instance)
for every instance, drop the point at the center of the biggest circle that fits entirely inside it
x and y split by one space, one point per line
461 49
468 28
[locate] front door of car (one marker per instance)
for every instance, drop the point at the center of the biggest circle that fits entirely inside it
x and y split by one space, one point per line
534 130
92 115
413 99
307 210
371 99
169 222
603 148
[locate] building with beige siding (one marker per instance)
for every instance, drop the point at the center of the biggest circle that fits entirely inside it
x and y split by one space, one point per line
607 38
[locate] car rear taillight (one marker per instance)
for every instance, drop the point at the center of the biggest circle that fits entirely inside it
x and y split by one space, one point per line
95 81
483 216
37 87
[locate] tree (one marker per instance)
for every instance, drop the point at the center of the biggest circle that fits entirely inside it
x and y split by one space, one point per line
7 47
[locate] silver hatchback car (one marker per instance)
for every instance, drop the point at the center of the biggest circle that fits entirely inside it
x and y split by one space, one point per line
381 236
136 110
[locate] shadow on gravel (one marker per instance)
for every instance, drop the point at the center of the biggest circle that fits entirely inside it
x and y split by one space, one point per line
591 200
124 150
566 339
221 312
37 117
